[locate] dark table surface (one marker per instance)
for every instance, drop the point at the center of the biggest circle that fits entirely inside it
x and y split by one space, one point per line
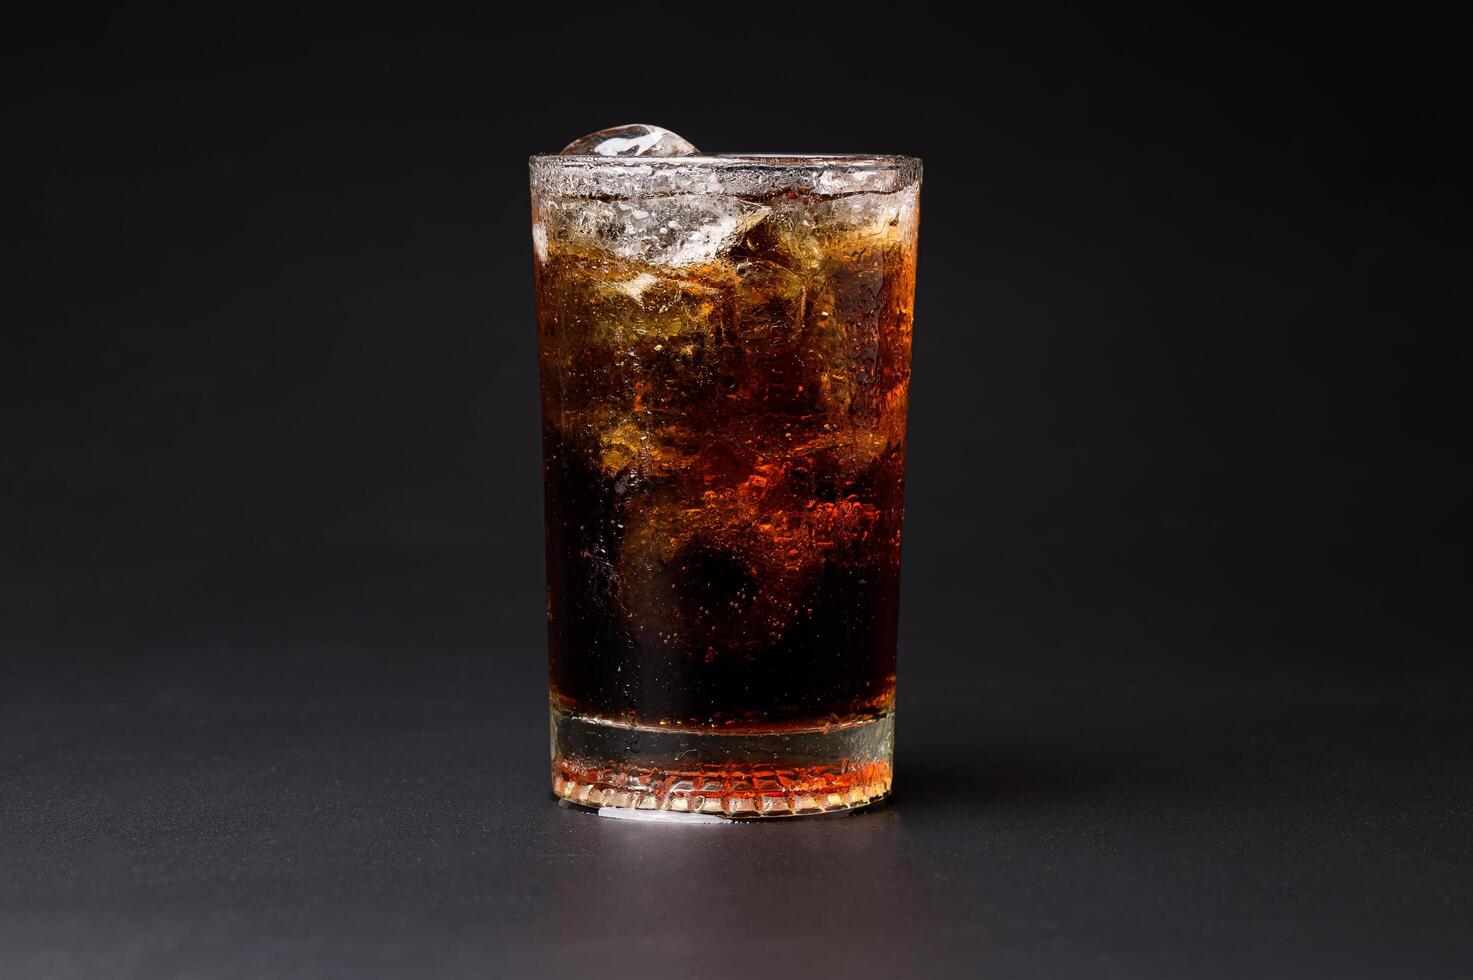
339 771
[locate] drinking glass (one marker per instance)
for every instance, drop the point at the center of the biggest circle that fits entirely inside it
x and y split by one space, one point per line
725 364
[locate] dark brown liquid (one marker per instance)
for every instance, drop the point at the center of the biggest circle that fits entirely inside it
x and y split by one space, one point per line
724 466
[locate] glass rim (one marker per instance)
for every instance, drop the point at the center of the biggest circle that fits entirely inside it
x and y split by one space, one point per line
740 174
782 161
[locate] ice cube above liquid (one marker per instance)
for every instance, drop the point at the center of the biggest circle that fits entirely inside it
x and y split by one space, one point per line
631 140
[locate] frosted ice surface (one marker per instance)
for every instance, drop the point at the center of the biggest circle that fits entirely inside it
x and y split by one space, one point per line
675 230
633 140
539 240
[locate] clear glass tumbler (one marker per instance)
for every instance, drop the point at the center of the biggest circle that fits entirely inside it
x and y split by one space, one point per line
725 362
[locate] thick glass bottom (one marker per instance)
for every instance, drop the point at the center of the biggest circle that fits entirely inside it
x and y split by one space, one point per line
620 768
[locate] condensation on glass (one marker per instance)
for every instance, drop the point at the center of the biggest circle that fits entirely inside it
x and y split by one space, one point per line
725 361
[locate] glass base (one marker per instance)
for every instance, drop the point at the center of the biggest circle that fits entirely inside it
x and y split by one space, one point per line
624 769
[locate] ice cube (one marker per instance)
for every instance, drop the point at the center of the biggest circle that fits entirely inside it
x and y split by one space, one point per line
637 338
769 302
632 140
787 236
771 371
889 216
675 230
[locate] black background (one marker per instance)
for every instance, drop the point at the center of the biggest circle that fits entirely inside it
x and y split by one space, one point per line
1184 662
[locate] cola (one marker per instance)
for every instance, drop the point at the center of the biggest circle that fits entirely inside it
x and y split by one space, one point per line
724 348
